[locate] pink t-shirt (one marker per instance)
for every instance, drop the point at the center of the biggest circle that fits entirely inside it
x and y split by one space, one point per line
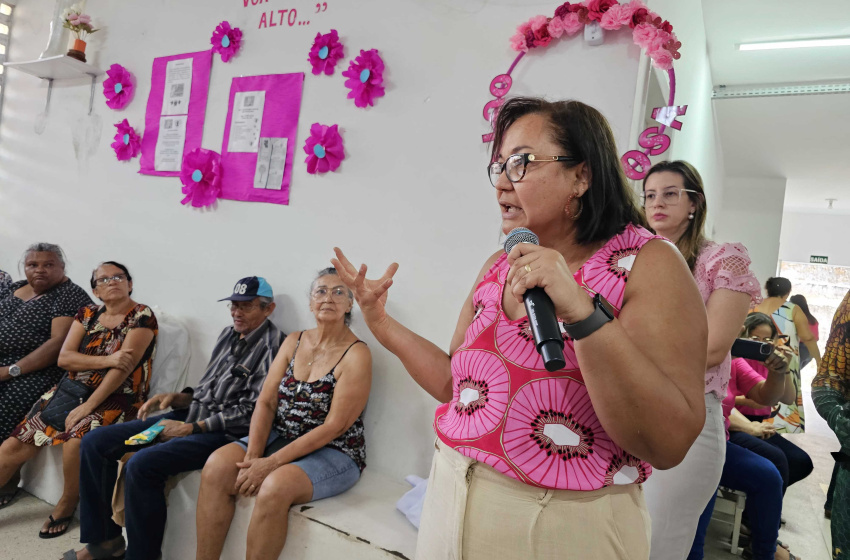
741 381
508 412
724 266
760 369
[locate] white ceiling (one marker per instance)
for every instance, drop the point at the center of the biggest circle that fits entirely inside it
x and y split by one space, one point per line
805 139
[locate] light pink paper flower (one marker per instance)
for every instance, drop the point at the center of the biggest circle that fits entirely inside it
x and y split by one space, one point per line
324 149
365 78
573 23
662 58
325 53
118 87
226 40
127 143
616 17
644 35
201 177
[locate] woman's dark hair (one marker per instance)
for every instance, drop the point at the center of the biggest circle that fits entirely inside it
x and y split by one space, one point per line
777 287
93 281
754 320
800 301
693 239
331 271
609 204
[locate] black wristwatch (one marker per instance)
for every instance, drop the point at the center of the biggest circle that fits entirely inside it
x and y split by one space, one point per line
590 325
196 428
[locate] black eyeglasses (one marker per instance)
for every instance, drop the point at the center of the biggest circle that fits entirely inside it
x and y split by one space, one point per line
515 166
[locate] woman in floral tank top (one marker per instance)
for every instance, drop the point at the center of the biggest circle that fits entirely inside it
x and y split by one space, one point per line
674 203
538 464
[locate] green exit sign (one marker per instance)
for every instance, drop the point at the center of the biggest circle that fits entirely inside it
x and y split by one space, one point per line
816 259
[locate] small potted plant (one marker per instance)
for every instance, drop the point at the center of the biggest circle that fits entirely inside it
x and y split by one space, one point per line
80 25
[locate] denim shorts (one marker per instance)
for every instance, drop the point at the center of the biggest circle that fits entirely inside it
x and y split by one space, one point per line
332 472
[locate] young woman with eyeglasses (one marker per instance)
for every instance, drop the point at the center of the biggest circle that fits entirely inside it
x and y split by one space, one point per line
674 203
546 465
108 354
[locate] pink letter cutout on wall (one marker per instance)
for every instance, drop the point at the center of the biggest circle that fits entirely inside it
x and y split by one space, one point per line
177 105
260 137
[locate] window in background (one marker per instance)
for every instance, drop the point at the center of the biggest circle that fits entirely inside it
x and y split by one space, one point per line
6 9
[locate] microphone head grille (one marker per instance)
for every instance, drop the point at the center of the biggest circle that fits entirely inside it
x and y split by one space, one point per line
520 235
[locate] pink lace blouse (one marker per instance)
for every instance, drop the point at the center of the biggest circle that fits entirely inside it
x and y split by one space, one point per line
724 266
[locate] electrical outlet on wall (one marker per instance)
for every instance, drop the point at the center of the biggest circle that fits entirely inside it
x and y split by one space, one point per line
594 34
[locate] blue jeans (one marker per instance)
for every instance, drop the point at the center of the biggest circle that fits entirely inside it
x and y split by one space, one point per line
751 473
793 463
144 481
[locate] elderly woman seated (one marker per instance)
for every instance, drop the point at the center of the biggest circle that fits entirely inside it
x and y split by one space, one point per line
306 440
35 316
107 354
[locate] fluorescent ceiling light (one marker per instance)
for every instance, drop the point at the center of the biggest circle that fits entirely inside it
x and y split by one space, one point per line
798 44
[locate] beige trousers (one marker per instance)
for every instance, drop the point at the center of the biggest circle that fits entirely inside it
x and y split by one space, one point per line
473 512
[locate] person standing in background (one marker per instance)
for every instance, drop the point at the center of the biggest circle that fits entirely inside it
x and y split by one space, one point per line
800 301
831 395
674 204
791 321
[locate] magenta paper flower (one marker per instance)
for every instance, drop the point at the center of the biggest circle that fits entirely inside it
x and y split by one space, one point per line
226 40
365 75
118 87
324 149
201 177
325 53
127 143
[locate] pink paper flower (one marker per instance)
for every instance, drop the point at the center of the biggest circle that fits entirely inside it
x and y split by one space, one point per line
201 177
661 58
597 8
226 40
365 75
324 149
127 143
640 13
532 34
616 17
644 35
83 18
118 87
325 53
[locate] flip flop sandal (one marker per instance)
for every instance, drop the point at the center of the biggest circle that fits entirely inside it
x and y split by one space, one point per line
9 497
99 552
66 521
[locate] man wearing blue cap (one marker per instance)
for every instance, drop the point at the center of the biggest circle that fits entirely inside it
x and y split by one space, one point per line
203 419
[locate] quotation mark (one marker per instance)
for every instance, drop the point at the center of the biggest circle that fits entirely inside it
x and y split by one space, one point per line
321 7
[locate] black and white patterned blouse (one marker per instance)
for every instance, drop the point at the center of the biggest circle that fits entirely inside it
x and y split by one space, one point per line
303 406
25 325
5 280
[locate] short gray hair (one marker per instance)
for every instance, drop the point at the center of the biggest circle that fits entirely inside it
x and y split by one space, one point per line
42 247
265 301
331 271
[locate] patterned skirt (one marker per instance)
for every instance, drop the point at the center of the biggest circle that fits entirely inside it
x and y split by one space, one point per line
33 430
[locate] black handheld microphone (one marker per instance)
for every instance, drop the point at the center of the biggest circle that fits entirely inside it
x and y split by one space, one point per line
541 311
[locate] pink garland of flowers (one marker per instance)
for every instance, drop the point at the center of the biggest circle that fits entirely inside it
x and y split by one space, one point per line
650 32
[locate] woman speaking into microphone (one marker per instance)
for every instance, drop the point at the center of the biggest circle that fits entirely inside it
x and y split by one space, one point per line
557 458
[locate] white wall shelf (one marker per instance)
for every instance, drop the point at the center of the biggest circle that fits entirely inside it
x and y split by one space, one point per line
57 68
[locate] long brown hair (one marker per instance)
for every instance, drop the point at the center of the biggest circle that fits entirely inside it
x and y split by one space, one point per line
691 242
609 205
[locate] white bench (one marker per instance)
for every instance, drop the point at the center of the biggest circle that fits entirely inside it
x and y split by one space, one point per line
360 524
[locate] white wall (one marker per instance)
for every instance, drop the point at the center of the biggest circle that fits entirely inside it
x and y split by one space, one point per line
698 141
752 215
823 234
412 189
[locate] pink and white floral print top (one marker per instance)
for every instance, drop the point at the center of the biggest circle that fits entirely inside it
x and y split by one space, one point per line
508 412
724 266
